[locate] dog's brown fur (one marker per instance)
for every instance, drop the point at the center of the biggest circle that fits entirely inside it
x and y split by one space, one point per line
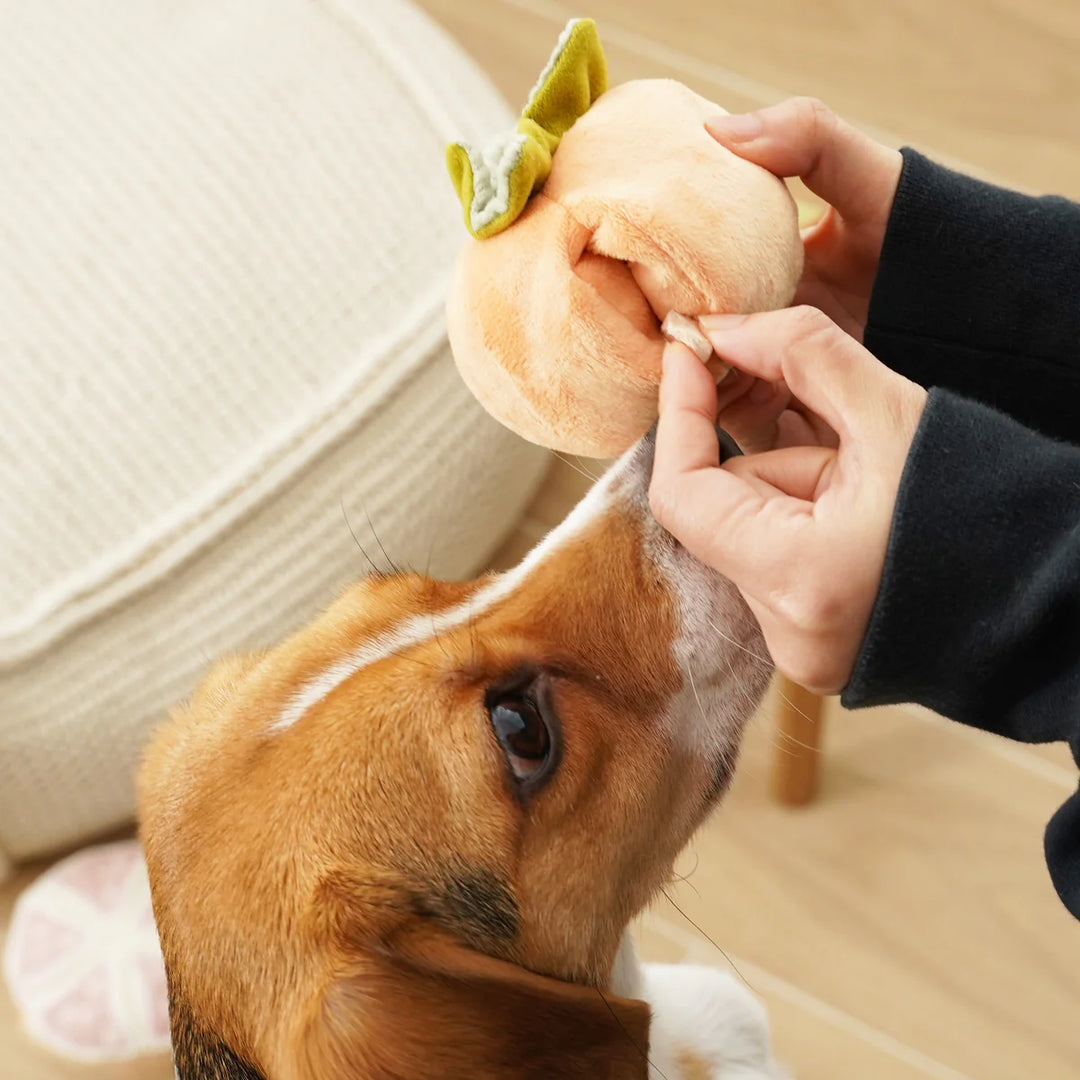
365 895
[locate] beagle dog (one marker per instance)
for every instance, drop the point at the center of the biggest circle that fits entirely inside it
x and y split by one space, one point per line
407 842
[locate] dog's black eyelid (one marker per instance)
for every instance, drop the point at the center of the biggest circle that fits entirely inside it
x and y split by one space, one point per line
516 683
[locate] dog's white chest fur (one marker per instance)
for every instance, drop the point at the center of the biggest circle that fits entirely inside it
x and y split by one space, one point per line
705 1024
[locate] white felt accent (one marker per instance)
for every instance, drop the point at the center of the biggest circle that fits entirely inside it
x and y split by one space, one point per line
492 165
553 59
222 328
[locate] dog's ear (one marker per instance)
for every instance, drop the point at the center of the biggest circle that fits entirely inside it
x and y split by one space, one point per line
431 1009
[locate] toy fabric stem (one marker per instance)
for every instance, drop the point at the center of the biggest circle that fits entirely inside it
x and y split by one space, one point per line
496 181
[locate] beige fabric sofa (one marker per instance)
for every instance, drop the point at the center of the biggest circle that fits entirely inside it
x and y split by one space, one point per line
226 232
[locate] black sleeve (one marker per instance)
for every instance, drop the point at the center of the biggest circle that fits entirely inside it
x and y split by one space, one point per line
978 612
978 291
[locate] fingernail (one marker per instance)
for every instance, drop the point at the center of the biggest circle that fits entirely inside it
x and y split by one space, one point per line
719 323
736 127
761 392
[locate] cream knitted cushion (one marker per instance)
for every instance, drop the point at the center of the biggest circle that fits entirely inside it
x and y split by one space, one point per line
225 231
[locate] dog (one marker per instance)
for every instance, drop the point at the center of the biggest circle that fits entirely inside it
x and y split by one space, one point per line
407 842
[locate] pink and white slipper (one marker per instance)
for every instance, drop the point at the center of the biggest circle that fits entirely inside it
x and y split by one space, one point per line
83 960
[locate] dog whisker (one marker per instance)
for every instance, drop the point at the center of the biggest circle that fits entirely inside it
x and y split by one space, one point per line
808 719
356 540
438 638
727 757
738 684
710 940
473 651
430 553
697 698
780 693
738 645
684 879
580 470
780 748
798 742
629 1038
371 525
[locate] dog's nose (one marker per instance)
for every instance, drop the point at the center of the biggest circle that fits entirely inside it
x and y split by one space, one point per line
729 448
641 459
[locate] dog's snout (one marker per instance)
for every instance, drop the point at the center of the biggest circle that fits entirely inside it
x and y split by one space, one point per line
729 448
639 464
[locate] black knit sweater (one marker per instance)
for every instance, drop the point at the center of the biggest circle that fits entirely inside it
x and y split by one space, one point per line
977 297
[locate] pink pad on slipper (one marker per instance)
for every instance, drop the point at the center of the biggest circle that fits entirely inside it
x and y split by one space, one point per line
82 958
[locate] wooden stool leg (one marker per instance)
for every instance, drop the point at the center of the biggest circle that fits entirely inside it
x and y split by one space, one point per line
796 755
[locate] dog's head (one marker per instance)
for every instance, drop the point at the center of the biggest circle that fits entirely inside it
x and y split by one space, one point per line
406 842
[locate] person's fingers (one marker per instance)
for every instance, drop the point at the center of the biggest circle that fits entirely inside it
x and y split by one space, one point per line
803 137
811 430
740 526
795 428
751 419
735 385
825 368
800 472
686 432
689 494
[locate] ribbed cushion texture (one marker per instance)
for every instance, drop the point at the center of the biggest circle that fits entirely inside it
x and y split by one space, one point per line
226 238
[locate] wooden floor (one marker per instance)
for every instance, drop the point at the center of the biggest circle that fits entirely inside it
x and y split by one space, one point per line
903 926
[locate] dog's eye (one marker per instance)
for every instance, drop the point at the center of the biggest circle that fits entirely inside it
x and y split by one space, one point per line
522 734
525 727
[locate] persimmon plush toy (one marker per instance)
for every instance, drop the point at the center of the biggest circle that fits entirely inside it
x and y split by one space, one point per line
603 214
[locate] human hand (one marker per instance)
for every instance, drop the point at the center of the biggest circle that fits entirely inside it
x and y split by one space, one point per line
855 175
800 529
761 415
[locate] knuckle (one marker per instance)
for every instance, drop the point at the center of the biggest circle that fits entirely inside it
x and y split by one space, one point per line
815 117
811 327
810 320
816 341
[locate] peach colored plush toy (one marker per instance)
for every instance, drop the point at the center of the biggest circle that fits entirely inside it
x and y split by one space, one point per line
602 214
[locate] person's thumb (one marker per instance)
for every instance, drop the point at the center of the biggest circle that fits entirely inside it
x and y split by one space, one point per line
799 472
